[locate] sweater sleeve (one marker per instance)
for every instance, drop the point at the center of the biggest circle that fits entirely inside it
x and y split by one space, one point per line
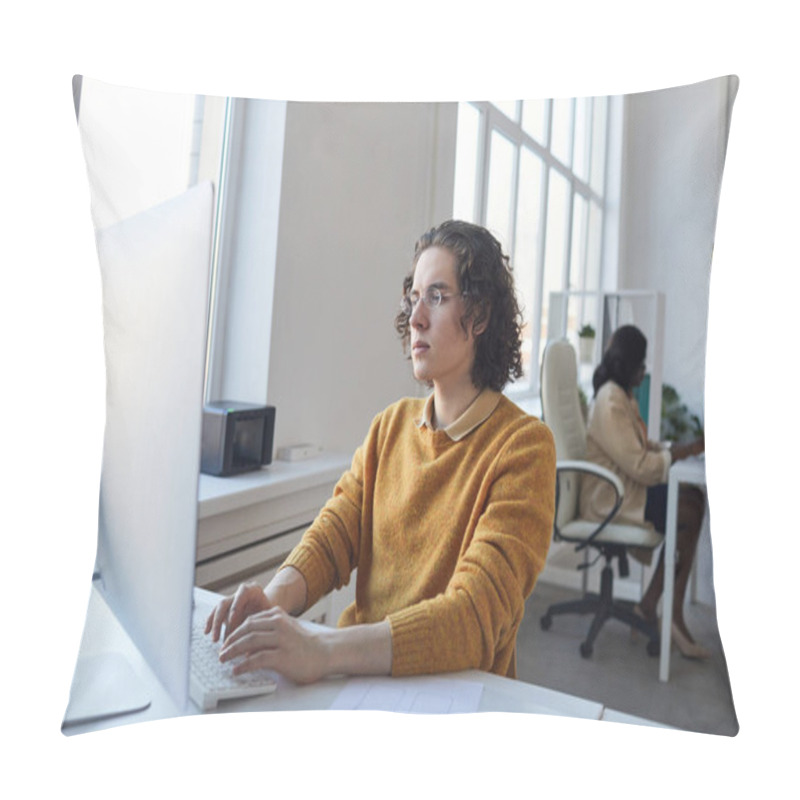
329 550
474 622
614 432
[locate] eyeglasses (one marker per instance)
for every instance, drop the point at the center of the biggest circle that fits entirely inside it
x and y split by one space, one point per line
432 298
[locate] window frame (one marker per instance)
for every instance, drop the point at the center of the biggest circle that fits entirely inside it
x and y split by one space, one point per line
492 119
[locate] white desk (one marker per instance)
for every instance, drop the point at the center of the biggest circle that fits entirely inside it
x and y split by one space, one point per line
499 694
693 471
104 634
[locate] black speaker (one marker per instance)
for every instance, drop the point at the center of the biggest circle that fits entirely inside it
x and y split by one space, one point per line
237 437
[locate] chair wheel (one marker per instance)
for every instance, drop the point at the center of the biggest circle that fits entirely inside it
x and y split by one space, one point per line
546 621
653 648
586 650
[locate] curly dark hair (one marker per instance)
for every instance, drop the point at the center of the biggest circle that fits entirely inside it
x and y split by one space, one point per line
622 359
487 282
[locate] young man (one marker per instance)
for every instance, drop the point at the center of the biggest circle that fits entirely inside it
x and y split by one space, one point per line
447 509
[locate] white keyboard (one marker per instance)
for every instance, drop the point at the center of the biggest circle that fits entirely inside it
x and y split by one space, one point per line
211 681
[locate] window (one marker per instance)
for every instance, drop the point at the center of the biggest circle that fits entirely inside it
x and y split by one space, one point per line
534 173
244 250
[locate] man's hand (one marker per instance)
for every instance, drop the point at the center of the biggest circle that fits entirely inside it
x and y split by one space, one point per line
232 611
262 633
273 639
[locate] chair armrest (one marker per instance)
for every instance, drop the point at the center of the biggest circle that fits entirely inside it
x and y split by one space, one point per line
590 468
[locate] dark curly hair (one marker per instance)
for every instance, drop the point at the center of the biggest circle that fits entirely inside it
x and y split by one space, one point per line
487 283
622 359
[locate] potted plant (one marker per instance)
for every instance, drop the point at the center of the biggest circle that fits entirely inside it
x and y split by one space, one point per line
678 423
586 343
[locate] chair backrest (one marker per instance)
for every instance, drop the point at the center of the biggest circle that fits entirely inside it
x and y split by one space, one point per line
561 411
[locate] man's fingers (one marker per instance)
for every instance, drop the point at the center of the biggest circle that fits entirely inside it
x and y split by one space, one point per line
263 659
260 623
216 619
248 643
237 610
233 610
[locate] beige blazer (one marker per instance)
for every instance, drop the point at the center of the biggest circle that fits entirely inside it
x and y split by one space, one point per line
617 439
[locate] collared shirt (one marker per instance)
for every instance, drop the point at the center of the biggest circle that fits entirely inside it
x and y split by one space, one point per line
478 411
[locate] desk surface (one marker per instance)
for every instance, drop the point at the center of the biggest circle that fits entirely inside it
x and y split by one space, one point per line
691 469
499 694
104 634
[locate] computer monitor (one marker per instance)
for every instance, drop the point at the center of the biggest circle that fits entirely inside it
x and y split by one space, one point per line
155 275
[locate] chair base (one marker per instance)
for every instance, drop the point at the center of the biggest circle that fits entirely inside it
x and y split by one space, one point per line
604 607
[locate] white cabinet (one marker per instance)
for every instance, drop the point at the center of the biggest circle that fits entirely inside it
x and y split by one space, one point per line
248 524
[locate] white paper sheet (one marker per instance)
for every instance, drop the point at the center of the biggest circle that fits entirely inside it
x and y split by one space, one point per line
410 695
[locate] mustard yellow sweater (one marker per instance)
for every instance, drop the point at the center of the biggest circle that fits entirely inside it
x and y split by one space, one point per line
448 536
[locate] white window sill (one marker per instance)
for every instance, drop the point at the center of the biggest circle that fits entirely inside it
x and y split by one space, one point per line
249 523
281 478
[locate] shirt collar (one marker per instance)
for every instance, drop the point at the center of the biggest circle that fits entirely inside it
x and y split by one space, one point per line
477 413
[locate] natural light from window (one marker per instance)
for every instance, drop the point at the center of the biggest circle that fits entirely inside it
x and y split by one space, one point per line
533 172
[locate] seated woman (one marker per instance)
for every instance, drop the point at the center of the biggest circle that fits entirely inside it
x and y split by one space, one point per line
617 439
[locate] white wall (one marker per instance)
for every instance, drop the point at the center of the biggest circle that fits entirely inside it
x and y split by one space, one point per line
360 183
673 156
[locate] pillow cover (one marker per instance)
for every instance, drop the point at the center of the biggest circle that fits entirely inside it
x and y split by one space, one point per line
318 206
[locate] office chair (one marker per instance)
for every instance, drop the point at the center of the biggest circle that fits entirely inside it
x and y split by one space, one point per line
561 412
